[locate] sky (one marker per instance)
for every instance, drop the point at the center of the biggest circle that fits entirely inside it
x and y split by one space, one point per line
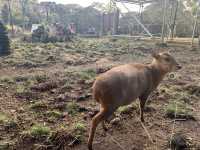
86 3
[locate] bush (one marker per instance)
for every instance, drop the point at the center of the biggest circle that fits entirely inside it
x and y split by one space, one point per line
4 41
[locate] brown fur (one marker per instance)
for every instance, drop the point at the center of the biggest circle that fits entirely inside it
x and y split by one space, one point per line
124 84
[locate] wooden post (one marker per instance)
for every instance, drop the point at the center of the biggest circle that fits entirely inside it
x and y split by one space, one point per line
164 18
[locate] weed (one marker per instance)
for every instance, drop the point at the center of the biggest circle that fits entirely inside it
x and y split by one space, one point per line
87 74
21 78
72 108
79 129
6 79
20 89
3 118
54 114
41 78
39 130
38 105
179 109
126 109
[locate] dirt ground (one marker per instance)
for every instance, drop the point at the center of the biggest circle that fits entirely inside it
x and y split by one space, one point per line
46 102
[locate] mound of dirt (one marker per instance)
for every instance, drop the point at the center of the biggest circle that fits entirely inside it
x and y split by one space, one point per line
42 87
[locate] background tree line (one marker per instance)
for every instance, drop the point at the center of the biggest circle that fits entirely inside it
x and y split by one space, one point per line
24 13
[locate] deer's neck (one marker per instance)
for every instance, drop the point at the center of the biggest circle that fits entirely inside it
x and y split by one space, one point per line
157 73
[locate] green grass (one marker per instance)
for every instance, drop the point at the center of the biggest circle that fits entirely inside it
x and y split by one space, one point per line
72 108
21 78
39 130
178 110
41 78
126 109
38 105
80 127
87 74
6 79
79 130
3 118
20 89
54 114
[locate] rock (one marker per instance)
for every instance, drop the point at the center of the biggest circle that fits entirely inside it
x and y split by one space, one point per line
115 121
178 142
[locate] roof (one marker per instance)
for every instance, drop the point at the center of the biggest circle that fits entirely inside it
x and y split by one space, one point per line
138 2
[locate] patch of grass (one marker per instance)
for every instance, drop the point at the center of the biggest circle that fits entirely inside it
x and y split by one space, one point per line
39 130
72 108
87 74
126 109
80 127
21 78
3 118
41 78
20 89
54 114
79 130
179 109
6 79
38 105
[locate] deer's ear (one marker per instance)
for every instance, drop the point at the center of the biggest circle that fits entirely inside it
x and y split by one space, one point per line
155 55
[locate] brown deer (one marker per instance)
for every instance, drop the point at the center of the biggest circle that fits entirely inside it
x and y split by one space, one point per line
123 84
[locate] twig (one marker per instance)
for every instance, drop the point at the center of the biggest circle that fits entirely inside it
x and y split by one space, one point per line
174 122
147 132
118 144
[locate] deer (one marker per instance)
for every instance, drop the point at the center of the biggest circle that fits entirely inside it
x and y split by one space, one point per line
123 84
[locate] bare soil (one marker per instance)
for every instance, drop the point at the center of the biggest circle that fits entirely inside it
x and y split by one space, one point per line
40 78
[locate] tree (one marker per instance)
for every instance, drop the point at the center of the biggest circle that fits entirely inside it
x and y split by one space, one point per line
5 14
24 4
11 16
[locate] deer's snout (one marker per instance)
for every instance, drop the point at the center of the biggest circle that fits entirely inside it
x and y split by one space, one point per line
178 67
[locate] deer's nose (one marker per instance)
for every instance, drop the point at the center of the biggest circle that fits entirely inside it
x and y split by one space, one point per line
179 67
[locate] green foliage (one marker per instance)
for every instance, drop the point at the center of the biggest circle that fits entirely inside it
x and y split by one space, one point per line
39 130
72 108
55 114
178 110
41 78
38 105
87 74
126 109
3 118
6 79
79 129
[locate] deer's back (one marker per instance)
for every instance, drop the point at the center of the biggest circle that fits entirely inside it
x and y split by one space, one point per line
121 85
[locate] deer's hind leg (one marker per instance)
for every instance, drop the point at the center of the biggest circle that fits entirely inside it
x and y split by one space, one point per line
99 117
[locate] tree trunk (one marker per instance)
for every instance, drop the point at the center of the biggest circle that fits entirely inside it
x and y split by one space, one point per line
164 19
194 28
11 17
174 21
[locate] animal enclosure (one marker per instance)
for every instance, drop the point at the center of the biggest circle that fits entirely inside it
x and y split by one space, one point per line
46 98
